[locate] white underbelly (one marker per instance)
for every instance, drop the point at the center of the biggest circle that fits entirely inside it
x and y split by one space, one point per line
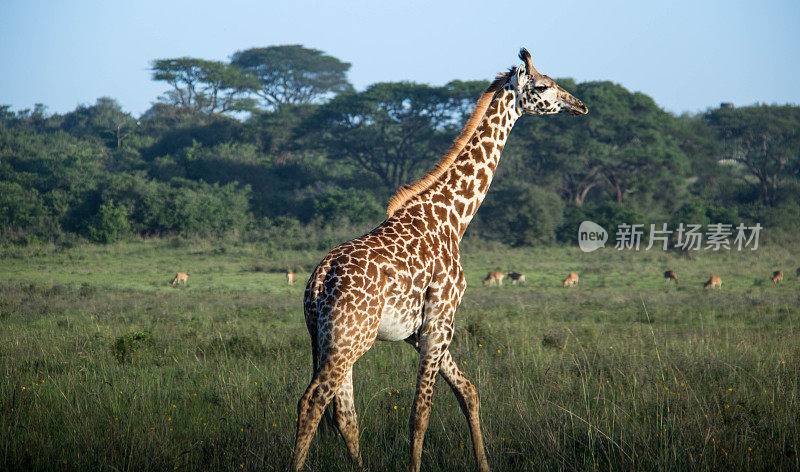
396 325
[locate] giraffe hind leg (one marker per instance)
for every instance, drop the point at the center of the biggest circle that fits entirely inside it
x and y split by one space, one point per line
340 414
344 417
341 417
311 407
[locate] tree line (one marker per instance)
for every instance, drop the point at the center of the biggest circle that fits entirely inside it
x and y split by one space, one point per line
277 145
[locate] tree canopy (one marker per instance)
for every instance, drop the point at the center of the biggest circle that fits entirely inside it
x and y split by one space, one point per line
277 145
764 141
293 74
200 85
393 130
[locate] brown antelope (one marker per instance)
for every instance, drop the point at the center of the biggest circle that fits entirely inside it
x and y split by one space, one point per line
670 275
572 279
290 277
180 278
516 278
494 277
777 277
714 281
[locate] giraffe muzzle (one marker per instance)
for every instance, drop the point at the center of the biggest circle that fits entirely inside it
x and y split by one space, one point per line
576 107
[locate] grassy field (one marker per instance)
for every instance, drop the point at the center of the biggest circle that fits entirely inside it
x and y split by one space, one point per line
107 367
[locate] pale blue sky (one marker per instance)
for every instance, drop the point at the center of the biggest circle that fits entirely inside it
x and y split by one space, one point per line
687 55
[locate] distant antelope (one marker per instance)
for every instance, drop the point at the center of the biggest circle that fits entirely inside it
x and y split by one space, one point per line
290 277
494 277
180 278
714 281
777 277
572 279
516 278
670 275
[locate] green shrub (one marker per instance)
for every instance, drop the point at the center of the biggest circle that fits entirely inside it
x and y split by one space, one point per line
110 223
521 215
703 212
358 206
124 346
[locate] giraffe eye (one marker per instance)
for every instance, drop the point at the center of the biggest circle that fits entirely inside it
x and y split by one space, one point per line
540 88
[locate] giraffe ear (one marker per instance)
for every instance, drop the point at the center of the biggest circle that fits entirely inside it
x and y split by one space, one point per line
528 61
525 56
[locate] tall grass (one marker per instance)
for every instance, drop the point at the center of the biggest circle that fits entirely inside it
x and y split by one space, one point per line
107 367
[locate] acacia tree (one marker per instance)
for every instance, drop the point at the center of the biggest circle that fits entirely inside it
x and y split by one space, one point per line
392 130
204 86
765 141
293 74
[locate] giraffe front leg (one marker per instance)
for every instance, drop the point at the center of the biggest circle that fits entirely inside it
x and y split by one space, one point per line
432 340
430 359
467 396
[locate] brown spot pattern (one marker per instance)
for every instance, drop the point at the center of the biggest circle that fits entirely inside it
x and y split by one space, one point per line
403 280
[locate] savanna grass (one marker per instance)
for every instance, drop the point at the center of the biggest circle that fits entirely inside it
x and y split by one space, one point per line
107 367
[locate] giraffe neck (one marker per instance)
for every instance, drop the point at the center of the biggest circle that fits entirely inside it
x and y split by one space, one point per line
462 187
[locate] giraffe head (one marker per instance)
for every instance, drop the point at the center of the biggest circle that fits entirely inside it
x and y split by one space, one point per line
538 94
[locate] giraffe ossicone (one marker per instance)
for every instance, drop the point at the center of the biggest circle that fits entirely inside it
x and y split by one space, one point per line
403 280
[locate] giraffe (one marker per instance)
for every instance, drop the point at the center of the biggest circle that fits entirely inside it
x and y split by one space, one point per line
403 280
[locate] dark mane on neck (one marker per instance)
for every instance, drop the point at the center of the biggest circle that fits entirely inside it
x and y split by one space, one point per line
407 192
